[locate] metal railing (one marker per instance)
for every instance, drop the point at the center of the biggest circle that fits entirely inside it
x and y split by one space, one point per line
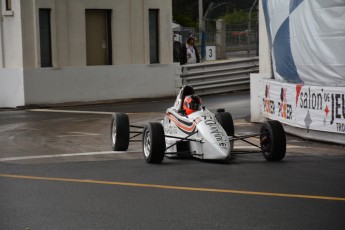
218 77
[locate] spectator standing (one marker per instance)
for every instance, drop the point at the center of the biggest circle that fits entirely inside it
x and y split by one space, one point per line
189 53
177 48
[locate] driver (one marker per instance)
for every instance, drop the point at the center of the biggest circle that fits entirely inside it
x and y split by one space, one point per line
192 103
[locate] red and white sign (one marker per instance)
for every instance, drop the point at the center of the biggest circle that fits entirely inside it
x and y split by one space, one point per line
310 107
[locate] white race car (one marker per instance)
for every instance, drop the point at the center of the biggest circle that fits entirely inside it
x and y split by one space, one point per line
200 134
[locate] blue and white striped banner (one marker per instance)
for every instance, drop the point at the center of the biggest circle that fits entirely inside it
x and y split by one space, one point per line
307 40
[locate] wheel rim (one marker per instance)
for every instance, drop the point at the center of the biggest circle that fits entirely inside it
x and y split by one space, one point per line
147 144
265 141
113 133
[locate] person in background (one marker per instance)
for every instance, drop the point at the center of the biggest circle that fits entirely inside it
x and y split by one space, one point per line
189 53
177 48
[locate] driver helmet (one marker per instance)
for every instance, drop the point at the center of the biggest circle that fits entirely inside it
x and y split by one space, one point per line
192 103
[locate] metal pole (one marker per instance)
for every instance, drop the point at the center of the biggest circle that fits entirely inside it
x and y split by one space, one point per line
249 25
201 29
201 16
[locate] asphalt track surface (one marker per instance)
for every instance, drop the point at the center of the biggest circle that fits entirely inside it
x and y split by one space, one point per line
57 171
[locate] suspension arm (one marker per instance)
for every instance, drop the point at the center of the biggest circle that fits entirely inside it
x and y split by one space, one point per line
183 139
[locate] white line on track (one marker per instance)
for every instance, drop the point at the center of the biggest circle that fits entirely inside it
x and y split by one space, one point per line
81 112
97 153
68 111
78 134
63 155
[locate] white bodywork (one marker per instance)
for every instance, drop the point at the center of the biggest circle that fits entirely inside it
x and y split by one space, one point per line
206 137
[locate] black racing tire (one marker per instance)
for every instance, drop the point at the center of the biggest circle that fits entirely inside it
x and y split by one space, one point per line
273 141
119 132
226 121
153 143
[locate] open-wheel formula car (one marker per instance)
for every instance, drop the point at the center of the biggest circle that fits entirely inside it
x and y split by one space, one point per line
199 133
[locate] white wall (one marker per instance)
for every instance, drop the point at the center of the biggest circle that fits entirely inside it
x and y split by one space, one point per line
264 54
85 84
255 99
265 69
11 87
12 47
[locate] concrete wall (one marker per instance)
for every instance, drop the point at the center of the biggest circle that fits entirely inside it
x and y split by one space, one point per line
20 87
85 84
264 54
265 69
11 87
11 36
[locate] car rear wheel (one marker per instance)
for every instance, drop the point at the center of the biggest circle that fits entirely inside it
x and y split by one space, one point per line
119 132
153 143
226 121
273 141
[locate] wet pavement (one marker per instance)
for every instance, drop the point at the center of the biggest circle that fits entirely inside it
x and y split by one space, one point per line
82 133
57 171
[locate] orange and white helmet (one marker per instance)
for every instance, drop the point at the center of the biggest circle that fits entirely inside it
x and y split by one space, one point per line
192 103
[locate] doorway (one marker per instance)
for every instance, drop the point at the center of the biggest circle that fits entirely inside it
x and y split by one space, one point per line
98 37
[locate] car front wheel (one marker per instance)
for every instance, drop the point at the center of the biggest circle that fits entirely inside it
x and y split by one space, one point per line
153 143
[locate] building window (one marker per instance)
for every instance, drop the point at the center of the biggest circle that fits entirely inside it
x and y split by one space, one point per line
154 35
45 38
8 5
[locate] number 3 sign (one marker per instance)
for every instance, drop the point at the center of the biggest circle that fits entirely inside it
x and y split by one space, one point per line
210 53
